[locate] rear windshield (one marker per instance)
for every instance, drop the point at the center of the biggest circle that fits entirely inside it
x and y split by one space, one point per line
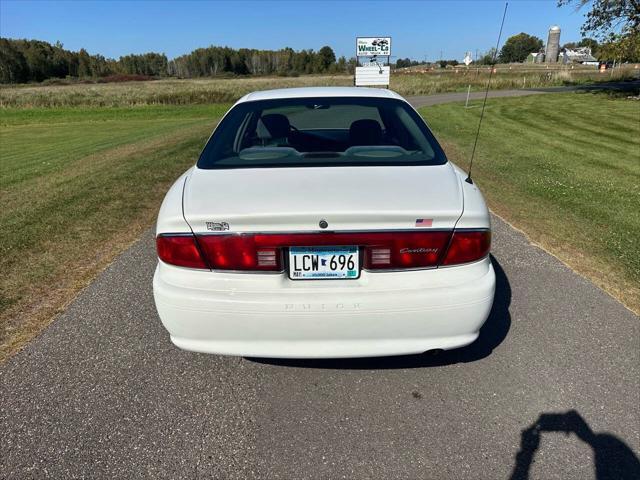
342 131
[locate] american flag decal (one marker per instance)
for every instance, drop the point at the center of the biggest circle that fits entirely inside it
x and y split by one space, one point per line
424 222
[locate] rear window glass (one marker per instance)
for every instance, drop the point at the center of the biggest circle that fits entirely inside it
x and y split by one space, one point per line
336 116
347 131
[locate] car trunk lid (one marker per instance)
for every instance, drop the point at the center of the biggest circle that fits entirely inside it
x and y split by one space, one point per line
347 198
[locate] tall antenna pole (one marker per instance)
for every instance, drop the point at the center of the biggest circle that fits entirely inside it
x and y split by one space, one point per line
486 93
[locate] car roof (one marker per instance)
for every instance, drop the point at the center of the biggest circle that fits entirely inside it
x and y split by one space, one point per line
314 92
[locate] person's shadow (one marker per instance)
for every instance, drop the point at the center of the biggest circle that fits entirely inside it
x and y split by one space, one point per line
492 333
613 458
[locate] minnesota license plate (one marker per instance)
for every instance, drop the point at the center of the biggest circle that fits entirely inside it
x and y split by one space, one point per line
319 263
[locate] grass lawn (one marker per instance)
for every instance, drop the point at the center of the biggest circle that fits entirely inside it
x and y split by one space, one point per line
565 168
78 185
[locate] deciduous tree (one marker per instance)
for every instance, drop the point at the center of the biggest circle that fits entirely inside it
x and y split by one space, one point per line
606 17
517 47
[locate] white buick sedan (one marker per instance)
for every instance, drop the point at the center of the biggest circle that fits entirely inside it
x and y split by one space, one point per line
323 222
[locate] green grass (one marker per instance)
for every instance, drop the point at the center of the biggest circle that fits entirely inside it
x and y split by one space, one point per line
78 185
566 169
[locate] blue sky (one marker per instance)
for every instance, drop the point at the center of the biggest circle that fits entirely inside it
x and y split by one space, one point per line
418 28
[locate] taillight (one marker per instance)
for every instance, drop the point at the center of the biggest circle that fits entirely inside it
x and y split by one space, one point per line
180 250
405 250
468 246
393 250
240 252
382 250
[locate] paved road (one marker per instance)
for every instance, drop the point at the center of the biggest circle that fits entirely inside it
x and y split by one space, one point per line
103 394
425 100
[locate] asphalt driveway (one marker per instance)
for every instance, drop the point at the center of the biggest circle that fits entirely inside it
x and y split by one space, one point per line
550 390
425 100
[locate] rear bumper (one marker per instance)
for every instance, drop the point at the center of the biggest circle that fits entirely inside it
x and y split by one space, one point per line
268 315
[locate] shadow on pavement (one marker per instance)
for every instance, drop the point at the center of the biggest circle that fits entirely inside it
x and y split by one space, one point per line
613 458
492 333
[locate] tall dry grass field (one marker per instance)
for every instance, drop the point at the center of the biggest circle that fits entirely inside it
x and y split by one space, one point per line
157 92
225 90
507 77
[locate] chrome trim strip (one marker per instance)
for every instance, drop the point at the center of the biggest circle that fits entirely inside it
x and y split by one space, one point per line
252 272
466 263
178 234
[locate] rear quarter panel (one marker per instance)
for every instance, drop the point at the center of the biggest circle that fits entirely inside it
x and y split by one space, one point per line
171 217
475 213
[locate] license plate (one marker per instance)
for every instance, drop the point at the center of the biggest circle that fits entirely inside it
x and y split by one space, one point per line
320 263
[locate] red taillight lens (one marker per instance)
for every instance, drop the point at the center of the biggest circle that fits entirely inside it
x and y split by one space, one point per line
180 250
405 250
468 246
240 252
382 250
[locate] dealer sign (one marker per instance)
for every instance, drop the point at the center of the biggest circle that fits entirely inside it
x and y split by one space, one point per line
372 46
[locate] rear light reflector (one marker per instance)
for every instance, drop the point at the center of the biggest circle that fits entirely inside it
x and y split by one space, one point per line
179 250
468 246
268 257
380 257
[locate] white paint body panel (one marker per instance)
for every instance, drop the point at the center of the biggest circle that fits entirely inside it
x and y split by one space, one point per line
269 315
349 198
313 92
171 218
388 313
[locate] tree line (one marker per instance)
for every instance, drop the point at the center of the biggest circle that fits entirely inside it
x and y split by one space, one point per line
35 60
24 61
616 24
212 61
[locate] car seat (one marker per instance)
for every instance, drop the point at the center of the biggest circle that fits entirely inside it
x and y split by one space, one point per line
275 131
365 132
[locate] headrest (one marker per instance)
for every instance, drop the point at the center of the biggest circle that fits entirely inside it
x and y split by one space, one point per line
365 132
276 124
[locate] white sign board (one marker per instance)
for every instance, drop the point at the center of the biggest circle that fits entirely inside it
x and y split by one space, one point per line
468 59
372 75
372 46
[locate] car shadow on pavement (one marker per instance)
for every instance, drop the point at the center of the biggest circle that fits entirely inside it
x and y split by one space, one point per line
613 459
492 333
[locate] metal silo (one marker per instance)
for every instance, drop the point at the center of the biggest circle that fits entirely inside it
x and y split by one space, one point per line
553 45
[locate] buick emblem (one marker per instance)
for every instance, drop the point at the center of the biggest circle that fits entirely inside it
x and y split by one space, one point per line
323 223
217 226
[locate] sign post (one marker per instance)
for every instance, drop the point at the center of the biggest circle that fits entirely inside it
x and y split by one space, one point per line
374 72
467 62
